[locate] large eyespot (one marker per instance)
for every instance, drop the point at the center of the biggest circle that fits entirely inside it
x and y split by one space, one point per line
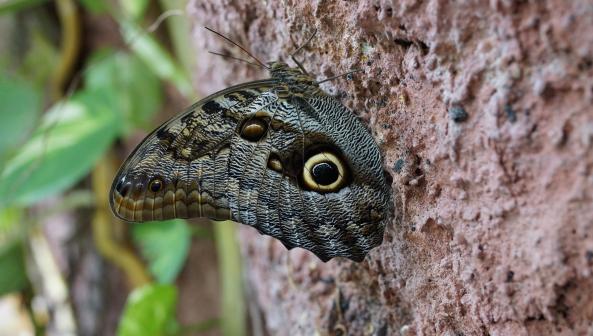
155 185
324 172
254 129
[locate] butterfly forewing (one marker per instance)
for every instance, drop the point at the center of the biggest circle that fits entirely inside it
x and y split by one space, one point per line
181 155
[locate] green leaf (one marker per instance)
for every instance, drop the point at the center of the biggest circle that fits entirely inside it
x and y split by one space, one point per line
12 267
11 224
137 88
156 57
134 9
40 47
95 6
71 138
11 6
164 245
19 109
150 310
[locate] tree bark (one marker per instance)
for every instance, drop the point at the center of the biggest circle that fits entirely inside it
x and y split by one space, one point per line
483 110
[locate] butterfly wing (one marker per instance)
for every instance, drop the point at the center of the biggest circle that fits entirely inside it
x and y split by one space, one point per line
243 154
347 220
180 170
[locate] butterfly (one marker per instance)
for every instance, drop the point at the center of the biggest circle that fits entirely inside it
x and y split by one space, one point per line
278 154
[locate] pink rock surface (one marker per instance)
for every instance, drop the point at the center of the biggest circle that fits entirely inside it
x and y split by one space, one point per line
494 230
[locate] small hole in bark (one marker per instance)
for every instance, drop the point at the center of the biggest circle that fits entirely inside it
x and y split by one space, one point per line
510 113
340 330
589 256
585 64
344 302
382 331
403 42
418 172
566 130
423 47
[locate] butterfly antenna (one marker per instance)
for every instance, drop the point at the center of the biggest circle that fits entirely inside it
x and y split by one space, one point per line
237 45
338 76
301 48
304 44
237 58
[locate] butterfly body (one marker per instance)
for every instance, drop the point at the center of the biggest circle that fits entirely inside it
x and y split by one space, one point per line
278 154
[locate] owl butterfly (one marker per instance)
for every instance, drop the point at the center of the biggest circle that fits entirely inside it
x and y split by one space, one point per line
277 154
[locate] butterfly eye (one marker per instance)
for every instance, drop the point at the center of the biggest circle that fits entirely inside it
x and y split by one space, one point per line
324 172
254 129
155 185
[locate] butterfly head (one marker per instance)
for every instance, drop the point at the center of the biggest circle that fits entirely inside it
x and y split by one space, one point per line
294 78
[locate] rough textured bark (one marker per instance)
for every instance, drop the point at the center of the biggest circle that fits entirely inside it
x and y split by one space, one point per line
483 112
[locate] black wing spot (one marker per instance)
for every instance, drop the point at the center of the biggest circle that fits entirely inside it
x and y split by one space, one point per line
163 134
232 97
246 94
211 107
186 119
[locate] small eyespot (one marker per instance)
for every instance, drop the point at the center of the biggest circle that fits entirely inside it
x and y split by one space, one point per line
275 164
120 184
254 129
155 185
324 172
123 187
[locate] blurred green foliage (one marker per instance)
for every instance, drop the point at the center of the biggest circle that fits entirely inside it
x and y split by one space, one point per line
12 265
136 89
72 136
165 245
21 105
150 310
47 147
